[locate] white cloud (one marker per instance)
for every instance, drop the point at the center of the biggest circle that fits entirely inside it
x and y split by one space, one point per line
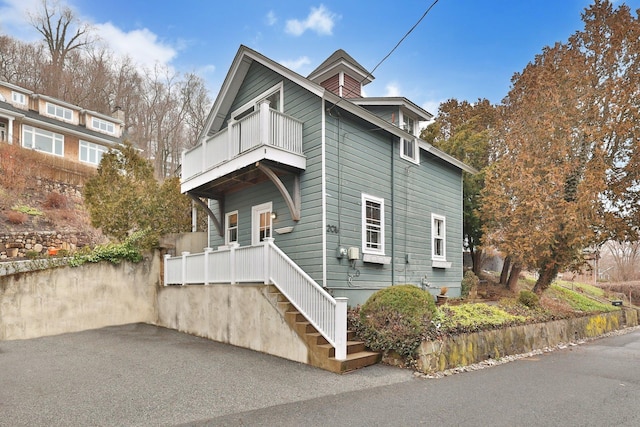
320 20
392 89
296 64
271 18
141 45
14 19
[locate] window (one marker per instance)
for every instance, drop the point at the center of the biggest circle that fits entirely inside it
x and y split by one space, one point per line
59 112
42 140
3 132
273 95
372 224
409 125
409 149
261 222
438 237
19 98
91 153
231 224
103 125
409 146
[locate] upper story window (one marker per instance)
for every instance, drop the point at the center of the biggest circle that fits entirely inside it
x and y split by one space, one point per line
231 225
273 95
42 140
103 125
409 125
372 224
438 237
91 153
409 149
409 146
19 98
59 112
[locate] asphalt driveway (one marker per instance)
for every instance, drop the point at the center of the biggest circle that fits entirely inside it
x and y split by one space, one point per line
145 375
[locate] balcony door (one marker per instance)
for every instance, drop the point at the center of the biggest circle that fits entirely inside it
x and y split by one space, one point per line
261 226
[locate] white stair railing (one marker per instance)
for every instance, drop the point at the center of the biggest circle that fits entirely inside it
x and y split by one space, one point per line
266 263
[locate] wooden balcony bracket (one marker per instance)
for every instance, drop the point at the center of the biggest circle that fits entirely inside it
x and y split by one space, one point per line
210 213
293 202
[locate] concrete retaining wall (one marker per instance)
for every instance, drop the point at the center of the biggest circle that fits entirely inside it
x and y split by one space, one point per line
240 315
66 299
466 349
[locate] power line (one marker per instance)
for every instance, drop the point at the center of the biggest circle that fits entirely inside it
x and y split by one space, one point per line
369 74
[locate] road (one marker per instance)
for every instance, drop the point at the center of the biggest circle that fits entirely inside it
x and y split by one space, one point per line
141 375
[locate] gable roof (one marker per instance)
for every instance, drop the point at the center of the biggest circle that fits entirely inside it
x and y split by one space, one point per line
238 71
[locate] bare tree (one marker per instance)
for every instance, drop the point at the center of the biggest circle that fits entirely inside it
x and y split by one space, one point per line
625 256
63 34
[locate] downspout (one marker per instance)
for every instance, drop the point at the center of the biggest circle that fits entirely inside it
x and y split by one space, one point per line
393 209
324 196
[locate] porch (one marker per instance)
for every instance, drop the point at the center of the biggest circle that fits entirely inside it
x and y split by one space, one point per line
309 309
229 158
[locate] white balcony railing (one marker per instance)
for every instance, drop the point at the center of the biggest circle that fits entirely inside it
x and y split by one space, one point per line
264 127
266 263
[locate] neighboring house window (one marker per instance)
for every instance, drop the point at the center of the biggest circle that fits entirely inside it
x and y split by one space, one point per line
372 224
59 112
19 98
231 223
438 237
91 153
42 140
103 125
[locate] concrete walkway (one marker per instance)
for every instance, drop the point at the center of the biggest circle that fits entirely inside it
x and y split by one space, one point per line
142 375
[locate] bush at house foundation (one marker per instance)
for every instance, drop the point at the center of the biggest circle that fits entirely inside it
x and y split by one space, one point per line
396 319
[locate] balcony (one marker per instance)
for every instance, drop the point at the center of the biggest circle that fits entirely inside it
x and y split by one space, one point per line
228 160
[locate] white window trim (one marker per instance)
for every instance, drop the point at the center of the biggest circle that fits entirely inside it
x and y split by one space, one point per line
255 101
416 153
442 218
226 227
106 125
255 228
380 201
90 146
34 130
63 109
21 98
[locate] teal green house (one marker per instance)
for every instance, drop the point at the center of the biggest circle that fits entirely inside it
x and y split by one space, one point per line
339 184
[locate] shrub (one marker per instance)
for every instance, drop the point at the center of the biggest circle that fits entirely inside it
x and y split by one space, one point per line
32 254
55 201
528 298
468 282
396 319
15 217
476 317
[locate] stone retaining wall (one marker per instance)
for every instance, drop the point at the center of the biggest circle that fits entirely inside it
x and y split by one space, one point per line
17 244
466 349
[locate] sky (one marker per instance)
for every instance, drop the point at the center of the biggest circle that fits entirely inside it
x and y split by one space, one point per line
463 49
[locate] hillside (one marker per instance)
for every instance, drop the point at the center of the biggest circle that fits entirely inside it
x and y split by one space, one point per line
42 194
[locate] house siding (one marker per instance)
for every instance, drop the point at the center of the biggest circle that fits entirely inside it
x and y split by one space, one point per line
361 162
304 244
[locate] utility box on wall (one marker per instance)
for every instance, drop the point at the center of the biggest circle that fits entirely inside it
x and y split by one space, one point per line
353 253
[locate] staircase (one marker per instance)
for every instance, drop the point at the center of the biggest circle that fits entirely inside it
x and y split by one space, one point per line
321 353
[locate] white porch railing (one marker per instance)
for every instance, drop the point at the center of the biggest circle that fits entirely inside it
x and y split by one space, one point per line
262 127
265 263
